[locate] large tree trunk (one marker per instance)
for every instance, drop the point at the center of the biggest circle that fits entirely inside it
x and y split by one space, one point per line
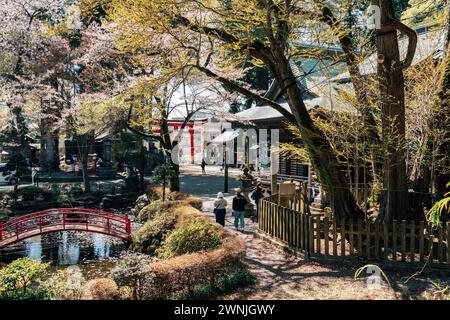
442 125
84 143
394 201
49 153
174 181
84 164
322 156
142 163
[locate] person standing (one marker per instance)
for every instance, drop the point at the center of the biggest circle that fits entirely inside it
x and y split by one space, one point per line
239 203
257 194
220 209
203 165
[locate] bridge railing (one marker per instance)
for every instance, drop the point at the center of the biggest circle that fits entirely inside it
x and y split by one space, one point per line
65 219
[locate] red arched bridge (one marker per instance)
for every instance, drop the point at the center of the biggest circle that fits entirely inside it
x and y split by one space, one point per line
70 219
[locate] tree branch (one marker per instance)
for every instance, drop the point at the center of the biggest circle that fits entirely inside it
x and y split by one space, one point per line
232 86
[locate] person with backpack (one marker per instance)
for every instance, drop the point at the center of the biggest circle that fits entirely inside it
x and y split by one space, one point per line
239 203
258 193
220 209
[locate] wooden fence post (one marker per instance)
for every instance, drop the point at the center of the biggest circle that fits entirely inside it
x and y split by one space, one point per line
318 240
311 234
448 242
334 237
394 240
325 233
343 237
367 239
412 241
385 241
440 245
360 234
421 241
377 240
403 237
351 236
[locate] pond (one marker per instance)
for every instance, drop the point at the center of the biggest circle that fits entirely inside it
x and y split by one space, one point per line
64 248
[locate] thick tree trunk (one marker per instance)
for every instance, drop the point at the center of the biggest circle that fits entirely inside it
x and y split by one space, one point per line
84 143
84 164
322 156
442 123
142 164
174 181
49 153
394 200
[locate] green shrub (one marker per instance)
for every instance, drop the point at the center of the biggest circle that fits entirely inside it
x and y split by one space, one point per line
192 237
149 211
30 193
149 237
3 217
20 279
37 293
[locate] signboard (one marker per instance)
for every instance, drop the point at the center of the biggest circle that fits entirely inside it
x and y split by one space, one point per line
287 189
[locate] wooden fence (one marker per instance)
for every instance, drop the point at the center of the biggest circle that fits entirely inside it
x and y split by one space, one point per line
400 241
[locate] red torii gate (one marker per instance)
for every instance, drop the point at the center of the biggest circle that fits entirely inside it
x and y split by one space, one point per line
176 125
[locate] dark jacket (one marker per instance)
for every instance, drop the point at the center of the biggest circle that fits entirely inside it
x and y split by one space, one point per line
257 194
239 203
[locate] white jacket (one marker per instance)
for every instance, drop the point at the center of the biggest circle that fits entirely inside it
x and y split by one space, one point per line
220 203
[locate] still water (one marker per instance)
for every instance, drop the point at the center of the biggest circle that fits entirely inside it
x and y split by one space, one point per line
63 248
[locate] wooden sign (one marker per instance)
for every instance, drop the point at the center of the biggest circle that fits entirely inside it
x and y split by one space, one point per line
287 189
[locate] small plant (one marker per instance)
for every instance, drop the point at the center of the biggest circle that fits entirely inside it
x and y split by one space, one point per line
441 292
440 208
191 237
65 285
162 174
21 279
133 271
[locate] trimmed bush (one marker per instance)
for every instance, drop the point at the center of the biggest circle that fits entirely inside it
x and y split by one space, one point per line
188 238
101 289
154 191
236 276
180 275
155 208
186 274
149 237
177 195
193 201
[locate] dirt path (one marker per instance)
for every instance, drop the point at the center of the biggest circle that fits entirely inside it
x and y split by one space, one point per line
280 275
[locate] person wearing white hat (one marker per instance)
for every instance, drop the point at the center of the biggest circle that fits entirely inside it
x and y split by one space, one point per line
220 209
